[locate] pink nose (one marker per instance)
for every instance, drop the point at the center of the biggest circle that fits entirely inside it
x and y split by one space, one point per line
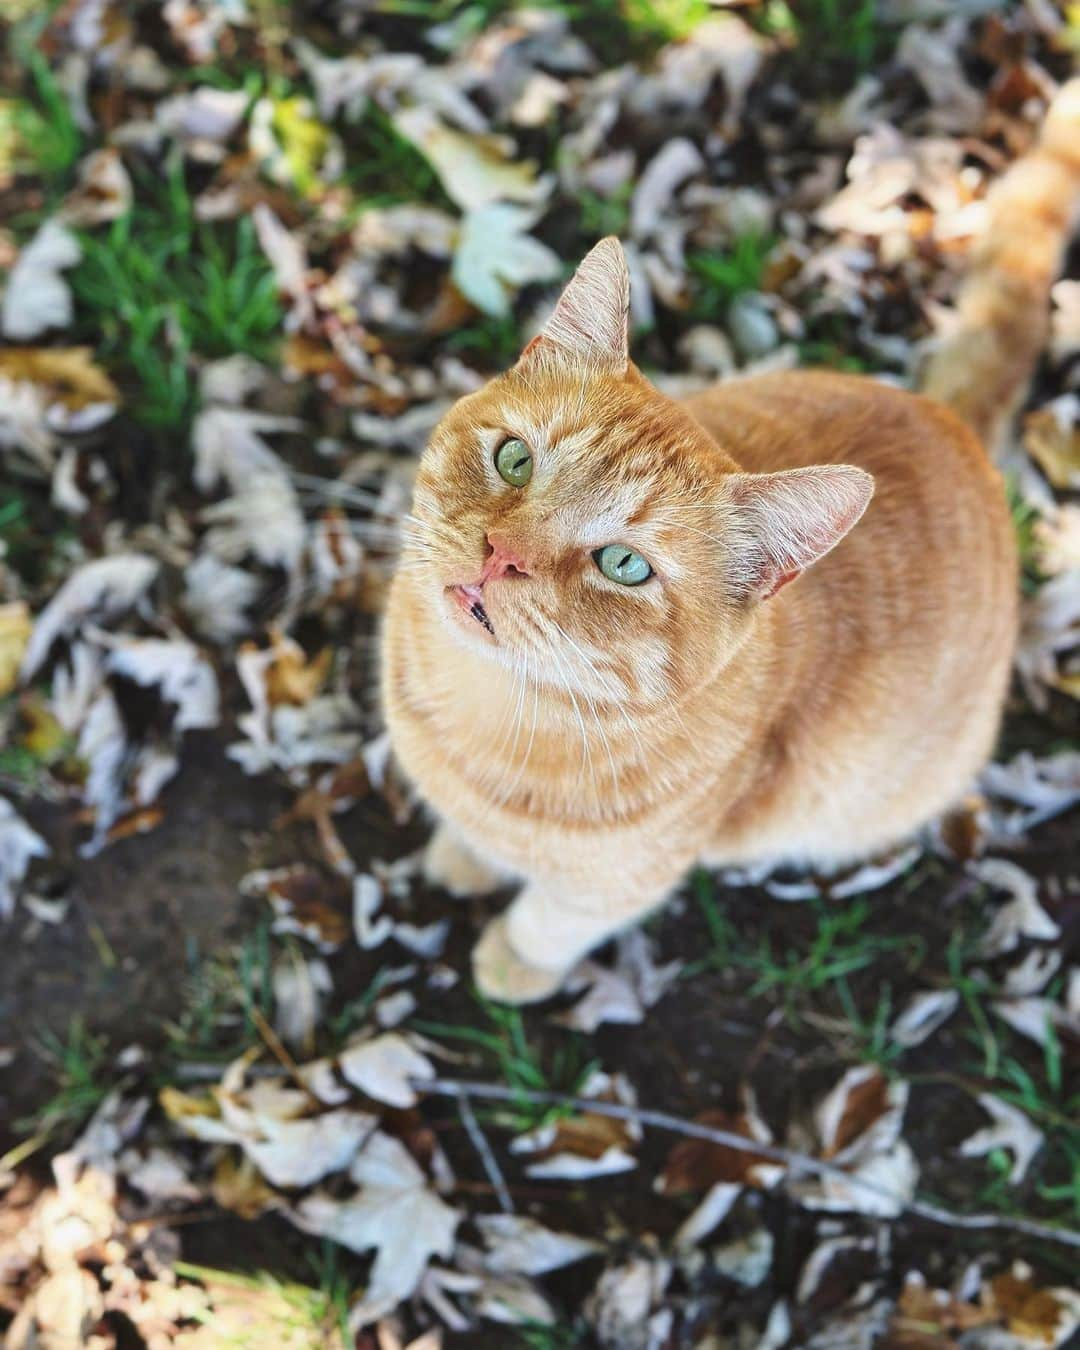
502 561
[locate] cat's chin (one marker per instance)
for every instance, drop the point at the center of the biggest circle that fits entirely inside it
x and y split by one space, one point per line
469 622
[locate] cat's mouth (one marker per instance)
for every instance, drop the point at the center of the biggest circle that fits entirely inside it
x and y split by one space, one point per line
470 600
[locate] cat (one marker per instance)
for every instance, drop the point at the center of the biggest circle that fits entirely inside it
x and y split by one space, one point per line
774 621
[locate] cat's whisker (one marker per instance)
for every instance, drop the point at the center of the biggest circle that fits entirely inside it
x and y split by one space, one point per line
532 733
586 751
616 703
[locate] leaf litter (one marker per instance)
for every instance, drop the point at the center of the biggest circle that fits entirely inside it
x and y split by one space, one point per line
414 219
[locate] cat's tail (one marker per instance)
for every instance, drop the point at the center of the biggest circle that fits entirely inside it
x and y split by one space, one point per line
983 368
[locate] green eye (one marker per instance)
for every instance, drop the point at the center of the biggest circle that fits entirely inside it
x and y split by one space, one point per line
622 564
514 461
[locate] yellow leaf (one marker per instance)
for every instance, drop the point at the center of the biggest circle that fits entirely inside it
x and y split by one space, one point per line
44 737
15 628
68 372
304 141
238 1186
177 1104
1055 446
291 677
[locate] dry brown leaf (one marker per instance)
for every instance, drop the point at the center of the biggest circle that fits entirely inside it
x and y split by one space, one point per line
926 1319
238 1186
866 1102
1027 1309
584 1144
69 374
1054 442
307 902
291 677
136 822
697 1164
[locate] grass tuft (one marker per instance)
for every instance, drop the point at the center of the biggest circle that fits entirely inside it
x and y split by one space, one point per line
160 287
519 1064
78 1062
723 276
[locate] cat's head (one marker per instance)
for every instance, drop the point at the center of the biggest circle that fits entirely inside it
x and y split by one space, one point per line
572 522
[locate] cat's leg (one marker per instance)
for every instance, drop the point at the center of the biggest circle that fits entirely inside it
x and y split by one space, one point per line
451 864
524 955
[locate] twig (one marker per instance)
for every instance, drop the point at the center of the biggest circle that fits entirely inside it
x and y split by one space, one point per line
799 1162
480 1143
277 1049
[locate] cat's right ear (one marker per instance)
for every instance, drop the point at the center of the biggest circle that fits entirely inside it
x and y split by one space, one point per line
590 322
784 522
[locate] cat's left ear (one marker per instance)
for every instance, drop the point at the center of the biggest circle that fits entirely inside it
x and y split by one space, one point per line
590 322
781 523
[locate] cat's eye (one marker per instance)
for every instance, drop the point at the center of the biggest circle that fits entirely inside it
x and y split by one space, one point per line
622 564
514 461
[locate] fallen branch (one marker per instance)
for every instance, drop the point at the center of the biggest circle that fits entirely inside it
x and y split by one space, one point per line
480 1143
796 1162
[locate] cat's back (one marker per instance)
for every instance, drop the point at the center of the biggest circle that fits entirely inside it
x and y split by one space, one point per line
896 647
936 494
794 418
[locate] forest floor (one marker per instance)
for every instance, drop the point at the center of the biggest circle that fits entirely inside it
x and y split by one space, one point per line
252 252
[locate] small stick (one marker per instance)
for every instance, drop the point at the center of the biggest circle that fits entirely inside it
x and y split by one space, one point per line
662 1120
480 1143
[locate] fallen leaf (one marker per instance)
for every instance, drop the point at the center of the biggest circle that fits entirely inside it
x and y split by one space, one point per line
1011 1130
381 1068
495 257
746 1260
923 1015
699 1164
102 191
100 589
180 672
19 844
288 257
37 297
159 1173
1045 1316
202 119
1052 438
305 901
1022 917
626 1308
218 597
584 1145
622 994
67 373
300 988
475 170
394 1212
15 629
522 1246
239 1187
926 1318
290 677
289 1150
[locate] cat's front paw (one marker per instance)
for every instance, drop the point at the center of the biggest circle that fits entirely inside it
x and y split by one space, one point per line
502 975
453 867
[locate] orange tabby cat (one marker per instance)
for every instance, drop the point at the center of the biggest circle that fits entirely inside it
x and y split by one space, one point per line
774 621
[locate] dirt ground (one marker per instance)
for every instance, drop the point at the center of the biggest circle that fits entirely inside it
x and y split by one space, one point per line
147 911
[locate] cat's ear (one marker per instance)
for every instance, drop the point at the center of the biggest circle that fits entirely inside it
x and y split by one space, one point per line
783 522
590 321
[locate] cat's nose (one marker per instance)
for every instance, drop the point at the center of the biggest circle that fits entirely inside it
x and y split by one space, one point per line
502 560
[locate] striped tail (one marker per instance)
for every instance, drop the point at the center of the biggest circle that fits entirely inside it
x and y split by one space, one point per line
983 369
